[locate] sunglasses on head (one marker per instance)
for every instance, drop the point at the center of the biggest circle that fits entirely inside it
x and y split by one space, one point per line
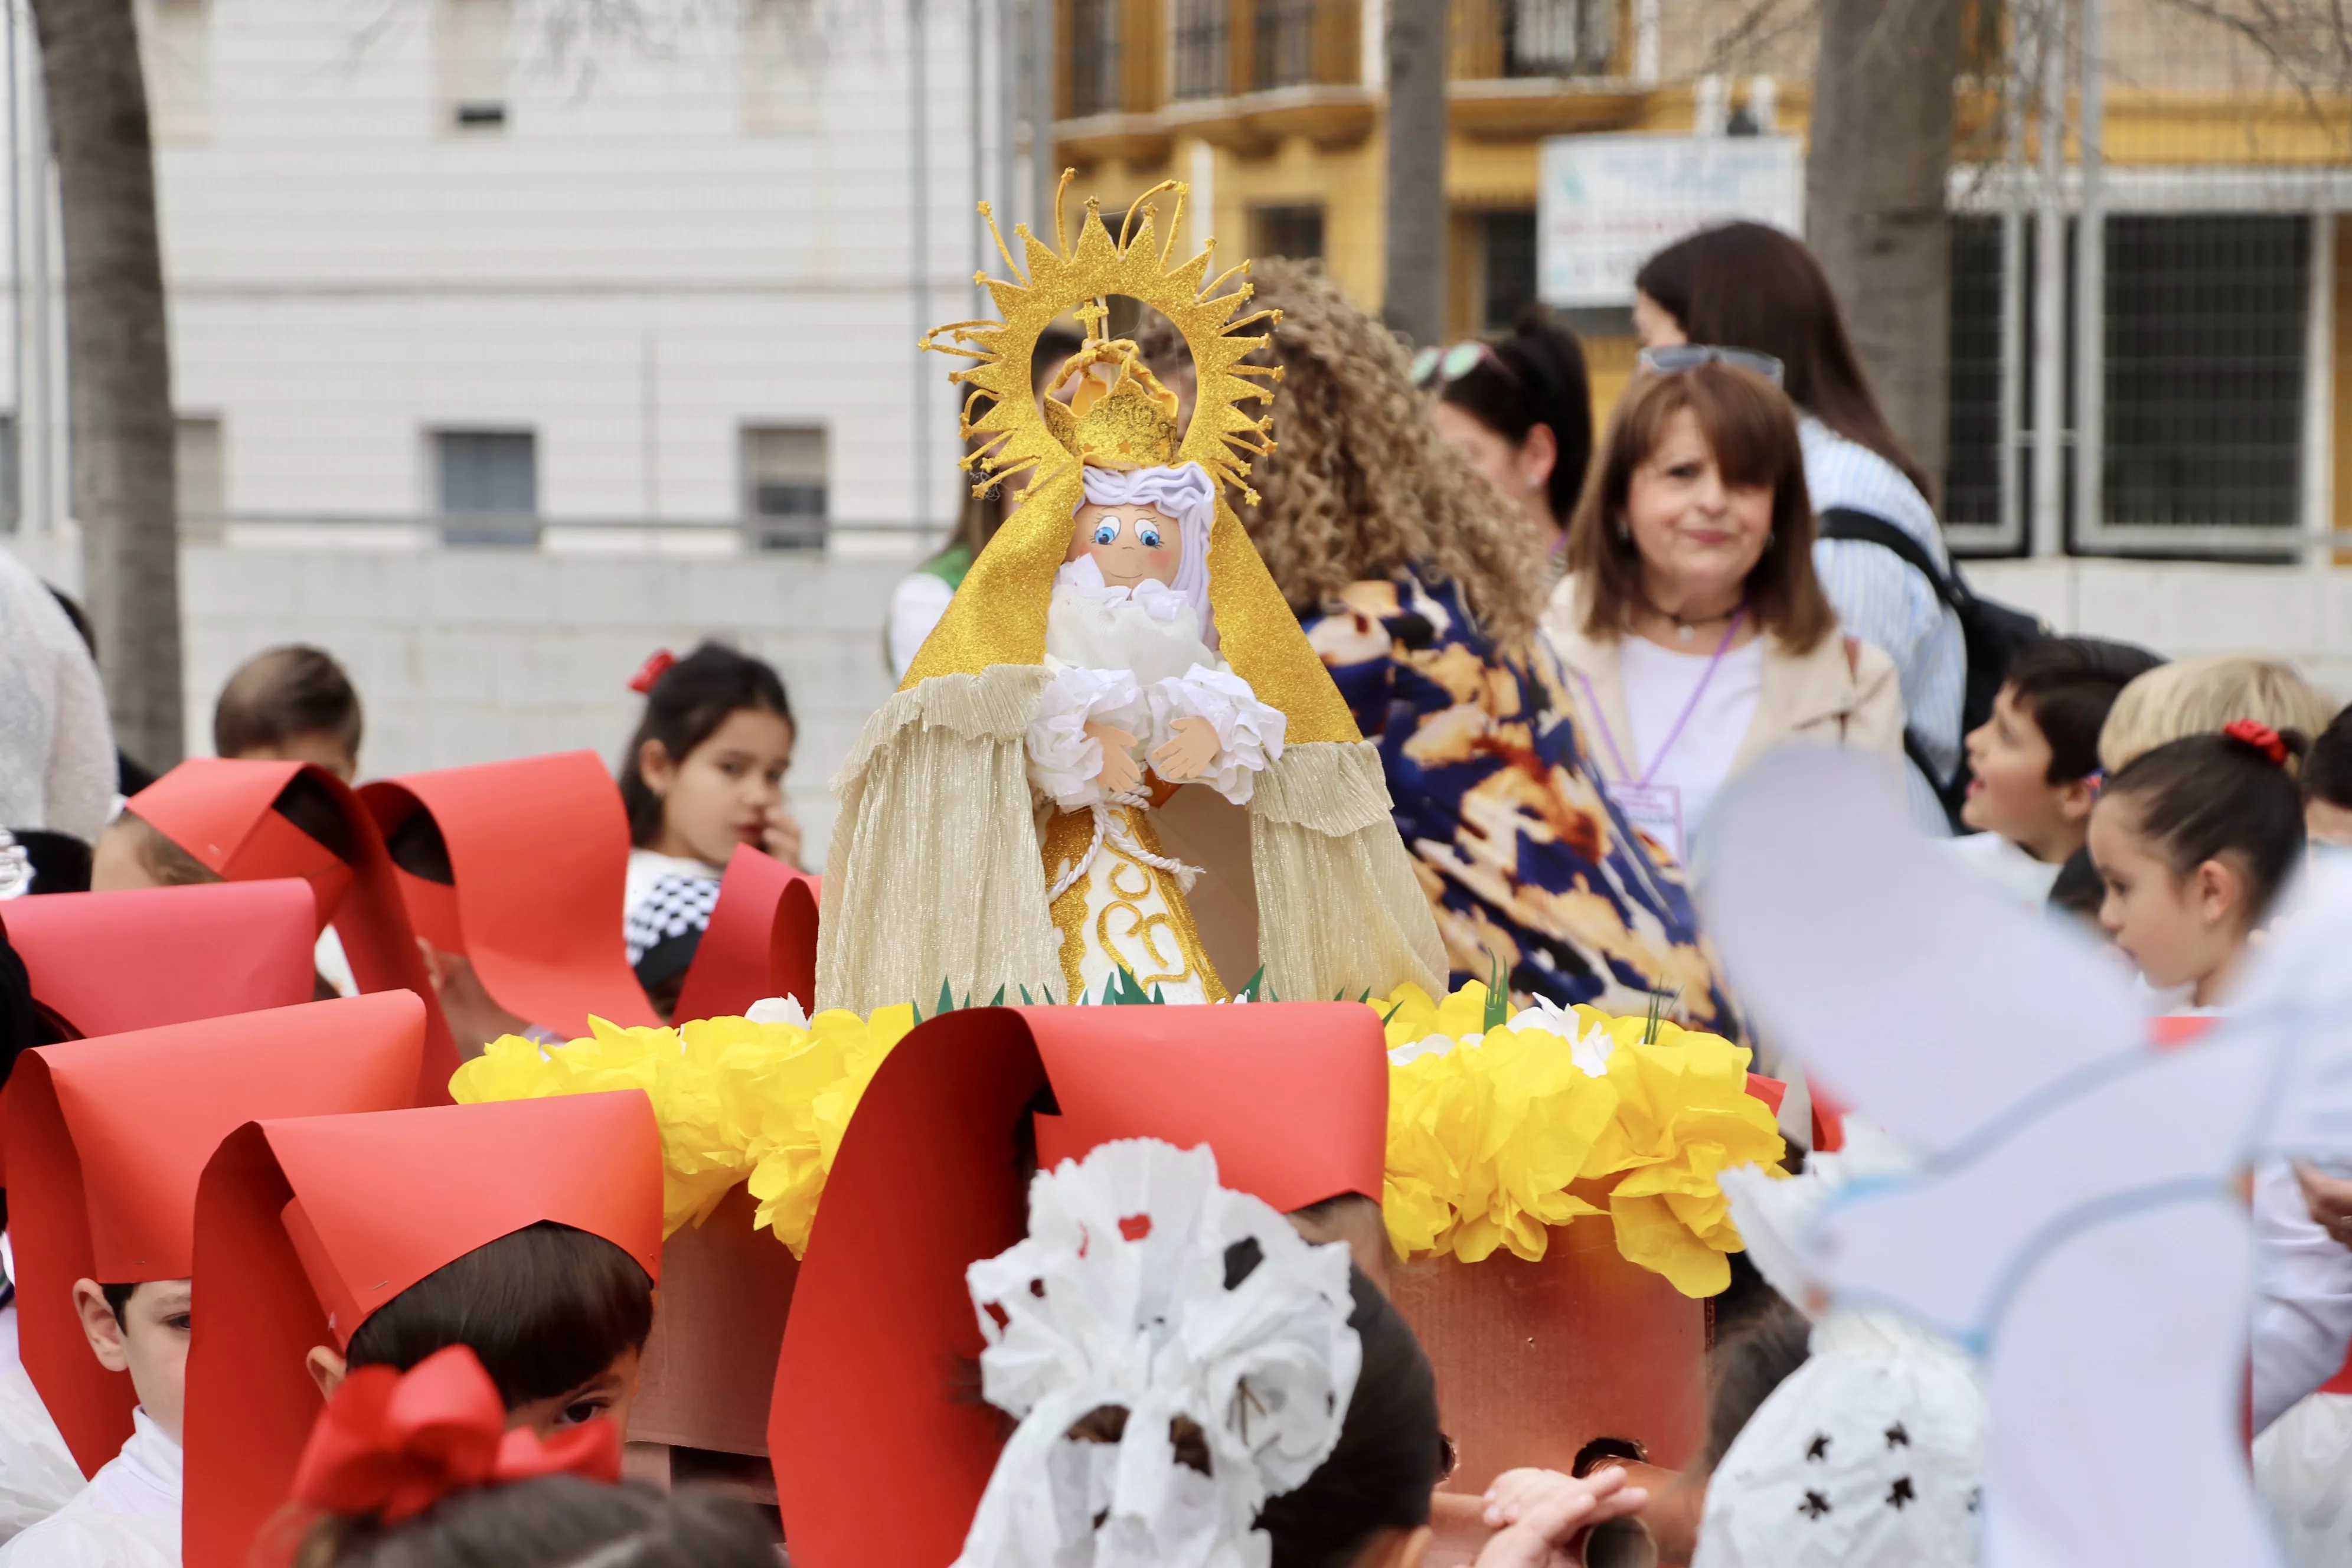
1434 367
1669 358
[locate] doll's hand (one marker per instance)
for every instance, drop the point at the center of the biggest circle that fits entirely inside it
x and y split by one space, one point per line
1186 754
1118 775
1551 1512
781 837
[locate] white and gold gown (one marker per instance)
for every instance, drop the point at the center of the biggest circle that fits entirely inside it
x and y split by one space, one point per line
1135 660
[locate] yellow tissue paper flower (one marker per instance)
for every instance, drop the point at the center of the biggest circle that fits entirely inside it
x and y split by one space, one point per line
1487 1132
736 1101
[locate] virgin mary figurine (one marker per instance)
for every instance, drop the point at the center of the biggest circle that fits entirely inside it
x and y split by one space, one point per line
1115 765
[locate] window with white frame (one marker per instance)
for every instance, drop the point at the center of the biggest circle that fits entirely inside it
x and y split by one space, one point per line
200 469
785 492
2203 381
488 487
473 46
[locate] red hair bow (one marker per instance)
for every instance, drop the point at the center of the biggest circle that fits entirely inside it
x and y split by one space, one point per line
653 670
393 1444
2258 735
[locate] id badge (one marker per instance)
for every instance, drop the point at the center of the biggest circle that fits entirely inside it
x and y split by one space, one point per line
1655 810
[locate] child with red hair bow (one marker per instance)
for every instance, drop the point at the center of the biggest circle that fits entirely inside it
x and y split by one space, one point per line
419 1469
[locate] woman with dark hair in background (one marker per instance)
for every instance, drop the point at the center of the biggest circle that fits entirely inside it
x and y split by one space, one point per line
1419 587
1520 409
1750 286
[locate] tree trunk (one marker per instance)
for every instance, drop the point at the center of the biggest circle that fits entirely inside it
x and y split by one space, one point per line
1413 295
117 365
1882 148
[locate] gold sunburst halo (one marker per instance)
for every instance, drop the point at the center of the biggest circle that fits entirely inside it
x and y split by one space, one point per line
1009 434
998 614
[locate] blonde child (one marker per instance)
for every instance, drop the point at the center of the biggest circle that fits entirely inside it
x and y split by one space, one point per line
2199 696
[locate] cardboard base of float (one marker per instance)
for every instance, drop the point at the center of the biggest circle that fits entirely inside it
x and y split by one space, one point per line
725 1291
1536 1360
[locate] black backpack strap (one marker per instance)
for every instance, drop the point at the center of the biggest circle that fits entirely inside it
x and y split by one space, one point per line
1866 528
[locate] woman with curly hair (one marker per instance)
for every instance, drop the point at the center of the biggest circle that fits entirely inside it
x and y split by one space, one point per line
1420 586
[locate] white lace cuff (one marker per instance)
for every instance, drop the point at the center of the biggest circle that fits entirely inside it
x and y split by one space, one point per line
1249 733
1064 761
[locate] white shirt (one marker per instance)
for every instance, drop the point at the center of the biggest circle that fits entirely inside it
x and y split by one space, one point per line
37 1473
57 749
915 606
1886 602
127 1517
1659 685
2018 875
647 867
2303 1303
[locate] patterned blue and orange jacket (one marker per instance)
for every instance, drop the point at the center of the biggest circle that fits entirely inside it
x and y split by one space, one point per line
1523 857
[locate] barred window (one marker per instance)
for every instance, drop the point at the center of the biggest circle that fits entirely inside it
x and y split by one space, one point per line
1295 230
2205 342
1202 44
1095 57
1971 492
1283 44
1557 38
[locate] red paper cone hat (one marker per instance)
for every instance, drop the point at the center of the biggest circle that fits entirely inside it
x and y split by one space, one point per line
761 941
540 851
878 1377
231 816
102 963
379 1202
111 1135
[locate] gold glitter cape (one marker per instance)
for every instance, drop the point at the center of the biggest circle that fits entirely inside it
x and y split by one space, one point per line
935 872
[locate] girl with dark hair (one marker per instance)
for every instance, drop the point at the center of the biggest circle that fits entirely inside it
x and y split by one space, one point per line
2194 841
419 1470
1750 286
704 772
1520 409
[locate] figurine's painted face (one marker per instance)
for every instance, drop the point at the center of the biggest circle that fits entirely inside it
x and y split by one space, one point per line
1130 543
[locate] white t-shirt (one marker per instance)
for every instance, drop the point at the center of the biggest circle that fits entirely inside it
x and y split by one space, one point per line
2018 875
1692 764
127 1517
915 606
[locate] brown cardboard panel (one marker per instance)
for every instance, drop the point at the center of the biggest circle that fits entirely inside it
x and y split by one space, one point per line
725 1291
1535 1360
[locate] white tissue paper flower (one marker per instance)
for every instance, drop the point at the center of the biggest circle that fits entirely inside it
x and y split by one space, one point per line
778 1010
1249 733
1193 1326
1064 761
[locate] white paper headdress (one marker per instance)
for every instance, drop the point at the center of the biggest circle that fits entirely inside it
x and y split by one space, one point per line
1146 1288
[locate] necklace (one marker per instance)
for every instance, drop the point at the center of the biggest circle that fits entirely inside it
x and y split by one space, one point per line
1687 630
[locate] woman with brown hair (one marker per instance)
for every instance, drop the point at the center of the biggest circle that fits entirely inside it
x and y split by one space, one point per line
1750 286
1420 584
1691 635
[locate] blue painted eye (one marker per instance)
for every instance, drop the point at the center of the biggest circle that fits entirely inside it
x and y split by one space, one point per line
1150 534
1106 532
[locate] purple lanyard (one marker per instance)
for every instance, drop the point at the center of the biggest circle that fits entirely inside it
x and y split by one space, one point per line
1601 720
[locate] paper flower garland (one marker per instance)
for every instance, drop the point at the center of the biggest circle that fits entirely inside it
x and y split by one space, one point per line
764 1100
1496 1136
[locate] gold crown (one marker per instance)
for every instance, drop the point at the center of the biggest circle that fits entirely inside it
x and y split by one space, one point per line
1118 416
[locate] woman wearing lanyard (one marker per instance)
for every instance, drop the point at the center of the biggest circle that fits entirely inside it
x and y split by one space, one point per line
1690 635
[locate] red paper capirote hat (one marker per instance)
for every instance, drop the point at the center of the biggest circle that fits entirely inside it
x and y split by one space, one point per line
540 848
761 941
111 1137
874 1384
306 1226
103 964
222 813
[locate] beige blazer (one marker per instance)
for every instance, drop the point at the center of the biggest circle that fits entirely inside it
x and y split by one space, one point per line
1843 693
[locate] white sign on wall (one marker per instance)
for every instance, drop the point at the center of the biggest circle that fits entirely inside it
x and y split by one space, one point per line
1606 204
